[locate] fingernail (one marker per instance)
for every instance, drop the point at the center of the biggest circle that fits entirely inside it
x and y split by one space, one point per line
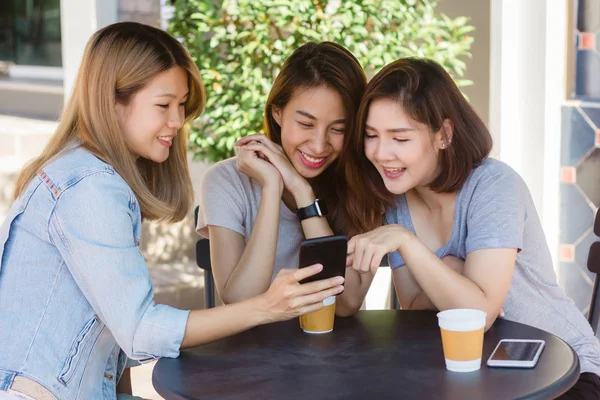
319 266
338 280
339 289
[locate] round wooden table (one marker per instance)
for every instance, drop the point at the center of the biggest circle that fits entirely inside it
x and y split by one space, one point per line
386 354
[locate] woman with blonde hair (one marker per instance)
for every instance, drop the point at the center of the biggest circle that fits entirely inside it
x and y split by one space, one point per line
75 294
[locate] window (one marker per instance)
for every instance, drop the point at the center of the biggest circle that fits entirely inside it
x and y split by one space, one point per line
30 32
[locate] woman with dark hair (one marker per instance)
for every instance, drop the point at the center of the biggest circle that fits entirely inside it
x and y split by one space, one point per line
259 206
423 152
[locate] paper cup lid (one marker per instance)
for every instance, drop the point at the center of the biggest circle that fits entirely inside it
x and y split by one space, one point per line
329 301
461 319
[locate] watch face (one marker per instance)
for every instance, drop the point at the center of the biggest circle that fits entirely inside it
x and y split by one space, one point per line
322 207
317 208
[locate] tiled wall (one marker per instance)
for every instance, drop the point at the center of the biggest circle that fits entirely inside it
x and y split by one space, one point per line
580 158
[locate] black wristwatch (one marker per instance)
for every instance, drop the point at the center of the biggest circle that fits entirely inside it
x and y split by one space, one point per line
316 209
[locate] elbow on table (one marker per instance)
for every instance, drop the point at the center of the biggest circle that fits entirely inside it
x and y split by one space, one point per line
489 321
158 332
345 312
141 354
230 297
141 351
346 308
230 294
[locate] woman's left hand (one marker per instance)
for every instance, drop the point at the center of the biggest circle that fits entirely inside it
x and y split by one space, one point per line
366 251
274 154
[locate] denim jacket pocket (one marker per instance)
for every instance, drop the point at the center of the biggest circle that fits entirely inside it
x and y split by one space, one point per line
81 348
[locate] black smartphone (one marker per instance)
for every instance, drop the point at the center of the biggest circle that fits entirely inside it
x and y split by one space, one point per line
330 251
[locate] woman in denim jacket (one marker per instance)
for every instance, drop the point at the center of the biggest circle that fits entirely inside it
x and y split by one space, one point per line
76 300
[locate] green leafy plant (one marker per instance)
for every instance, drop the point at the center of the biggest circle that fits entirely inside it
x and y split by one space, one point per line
239 46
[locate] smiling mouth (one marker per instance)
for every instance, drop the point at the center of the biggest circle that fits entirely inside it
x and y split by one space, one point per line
166 141
393 172
310 161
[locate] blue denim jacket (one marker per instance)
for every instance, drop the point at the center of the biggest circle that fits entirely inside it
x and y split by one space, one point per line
76 298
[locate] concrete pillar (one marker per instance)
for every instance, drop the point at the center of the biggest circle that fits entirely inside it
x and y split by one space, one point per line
556 63
79 20
527 78
478 67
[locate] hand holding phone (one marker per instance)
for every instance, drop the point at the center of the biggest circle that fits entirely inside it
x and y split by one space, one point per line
330 251
516 353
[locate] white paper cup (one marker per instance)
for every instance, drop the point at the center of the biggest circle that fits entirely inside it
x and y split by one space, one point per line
462 338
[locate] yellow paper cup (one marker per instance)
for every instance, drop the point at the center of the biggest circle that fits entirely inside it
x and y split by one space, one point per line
462 338
320 321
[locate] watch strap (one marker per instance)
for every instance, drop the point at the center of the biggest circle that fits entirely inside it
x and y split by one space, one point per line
316 209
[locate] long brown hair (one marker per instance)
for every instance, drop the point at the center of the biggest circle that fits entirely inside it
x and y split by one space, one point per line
427 93
118 61
313 65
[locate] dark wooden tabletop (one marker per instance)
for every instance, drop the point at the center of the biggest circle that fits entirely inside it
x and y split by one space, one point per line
373 355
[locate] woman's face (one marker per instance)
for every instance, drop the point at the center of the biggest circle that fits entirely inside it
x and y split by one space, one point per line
403 150
155 114
312 129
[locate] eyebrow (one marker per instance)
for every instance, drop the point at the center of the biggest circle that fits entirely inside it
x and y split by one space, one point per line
171 95
310 116
392 130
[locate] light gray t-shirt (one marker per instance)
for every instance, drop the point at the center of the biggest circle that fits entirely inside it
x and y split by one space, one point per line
230 199
495 210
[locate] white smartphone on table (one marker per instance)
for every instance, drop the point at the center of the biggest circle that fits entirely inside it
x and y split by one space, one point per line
516 353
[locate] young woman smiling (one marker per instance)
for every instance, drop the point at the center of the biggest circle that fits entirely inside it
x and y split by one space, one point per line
76 299
423 151
258 207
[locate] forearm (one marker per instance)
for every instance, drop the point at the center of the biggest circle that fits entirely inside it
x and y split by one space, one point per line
253 272
355 290
421 301
356 285
205 326
445 287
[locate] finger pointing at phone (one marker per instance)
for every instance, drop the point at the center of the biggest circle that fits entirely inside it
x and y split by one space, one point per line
369 248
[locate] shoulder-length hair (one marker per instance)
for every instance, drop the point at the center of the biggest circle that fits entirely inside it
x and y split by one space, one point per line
426 93
313 65
118 61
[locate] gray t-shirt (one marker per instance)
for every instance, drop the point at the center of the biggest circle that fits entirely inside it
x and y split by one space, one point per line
230 199
495 210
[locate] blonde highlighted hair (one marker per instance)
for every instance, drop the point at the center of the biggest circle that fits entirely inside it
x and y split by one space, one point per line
118 61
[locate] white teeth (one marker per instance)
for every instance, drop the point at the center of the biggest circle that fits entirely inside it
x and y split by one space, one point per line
393 170
312 159
166 138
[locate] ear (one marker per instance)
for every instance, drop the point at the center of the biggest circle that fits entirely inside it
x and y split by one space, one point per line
445 134
276 112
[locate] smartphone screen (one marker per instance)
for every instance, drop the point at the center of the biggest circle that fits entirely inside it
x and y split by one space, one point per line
330 251
516 351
